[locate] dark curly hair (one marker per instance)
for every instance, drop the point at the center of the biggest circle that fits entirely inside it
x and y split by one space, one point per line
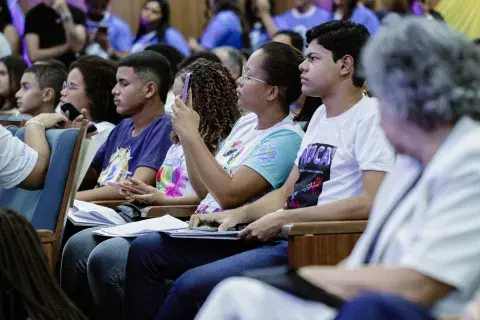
214 99
99 76
28 288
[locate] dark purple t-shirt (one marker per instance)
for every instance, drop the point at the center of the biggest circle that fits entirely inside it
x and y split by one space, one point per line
124 153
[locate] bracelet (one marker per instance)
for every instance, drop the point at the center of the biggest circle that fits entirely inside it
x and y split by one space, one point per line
33 121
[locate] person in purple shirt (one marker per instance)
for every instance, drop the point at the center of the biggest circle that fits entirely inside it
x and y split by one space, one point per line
107 32
155 28
258 33
351 10
227 27
138 145
304 16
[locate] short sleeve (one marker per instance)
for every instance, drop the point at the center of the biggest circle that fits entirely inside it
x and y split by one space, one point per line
174 38
123 39
372 150
274 157
446 247
157 147
17 160
218 28
31 22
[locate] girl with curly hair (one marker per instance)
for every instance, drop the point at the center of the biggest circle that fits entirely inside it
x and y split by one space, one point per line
215 100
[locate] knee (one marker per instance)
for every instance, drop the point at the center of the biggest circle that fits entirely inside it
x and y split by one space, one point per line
106 263
142 248
195 283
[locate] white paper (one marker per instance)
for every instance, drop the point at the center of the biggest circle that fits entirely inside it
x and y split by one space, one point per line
91 214
134 229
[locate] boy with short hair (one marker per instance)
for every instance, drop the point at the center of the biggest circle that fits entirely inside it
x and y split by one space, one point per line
40 88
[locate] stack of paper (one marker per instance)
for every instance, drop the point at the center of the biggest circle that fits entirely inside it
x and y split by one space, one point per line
89 214
139 228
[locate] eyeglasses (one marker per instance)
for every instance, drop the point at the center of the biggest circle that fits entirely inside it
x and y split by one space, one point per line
247 77
68 86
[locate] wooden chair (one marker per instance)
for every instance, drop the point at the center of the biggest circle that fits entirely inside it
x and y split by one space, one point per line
47 208
321 243
17 123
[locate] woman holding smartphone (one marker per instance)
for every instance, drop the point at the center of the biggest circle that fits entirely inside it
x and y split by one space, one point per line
215 101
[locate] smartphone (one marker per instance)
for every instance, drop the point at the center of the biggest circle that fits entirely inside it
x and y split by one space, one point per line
73 113
125 187
186 86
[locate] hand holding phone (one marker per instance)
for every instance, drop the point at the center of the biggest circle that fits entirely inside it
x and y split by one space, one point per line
126 187
73 114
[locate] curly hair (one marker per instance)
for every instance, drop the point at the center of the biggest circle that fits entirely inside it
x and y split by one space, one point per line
28 288
426 72
99 76
214 99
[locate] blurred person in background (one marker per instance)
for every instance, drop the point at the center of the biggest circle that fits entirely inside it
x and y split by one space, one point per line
109 36
54 29
11 71
154 27
303 16
258 33
232 59
226 26
354 11
7 27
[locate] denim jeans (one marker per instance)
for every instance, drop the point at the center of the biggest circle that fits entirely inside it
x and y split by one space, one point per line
93 272
196 265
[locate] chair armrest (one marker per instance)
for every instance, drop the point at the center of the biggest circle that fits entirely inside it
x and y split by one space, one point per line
46 236
109 203
184 211
324 227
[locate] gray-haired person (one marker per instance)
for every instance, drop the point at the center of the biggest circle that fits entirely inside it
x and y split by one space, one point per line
232 59
421 243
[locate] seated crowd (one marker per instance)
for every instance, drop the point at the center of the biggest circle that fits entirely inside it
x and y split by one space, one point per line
284 131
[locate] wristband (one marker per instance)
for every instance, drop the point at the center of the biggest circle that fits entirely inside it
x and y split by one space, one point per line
33 121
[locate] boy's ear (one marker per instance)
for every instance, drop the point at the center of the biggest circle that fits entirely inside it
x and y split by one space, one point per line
48 95
150 89
348 65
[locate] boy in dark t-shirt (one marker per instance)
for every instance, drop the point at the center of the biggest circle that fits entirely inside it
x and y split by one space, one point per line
54 29
139 144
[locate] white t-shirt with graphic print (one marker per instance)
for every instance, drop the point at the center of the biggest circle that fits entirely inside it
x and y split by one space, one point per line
172 177
270 152
334 153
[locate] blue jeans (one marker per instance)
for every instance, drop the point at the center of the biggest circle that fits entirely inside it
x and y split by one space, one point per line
196 266
93 272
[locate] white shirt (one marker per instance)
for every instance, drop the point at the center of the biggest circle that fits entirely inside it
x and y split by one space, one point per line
435 230
17 160
334 153
172 177
237 151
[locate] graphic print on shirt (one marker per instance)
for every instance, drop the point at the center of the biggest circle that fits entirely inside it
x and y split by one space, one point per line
172 179
234 151
118 163
314 167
